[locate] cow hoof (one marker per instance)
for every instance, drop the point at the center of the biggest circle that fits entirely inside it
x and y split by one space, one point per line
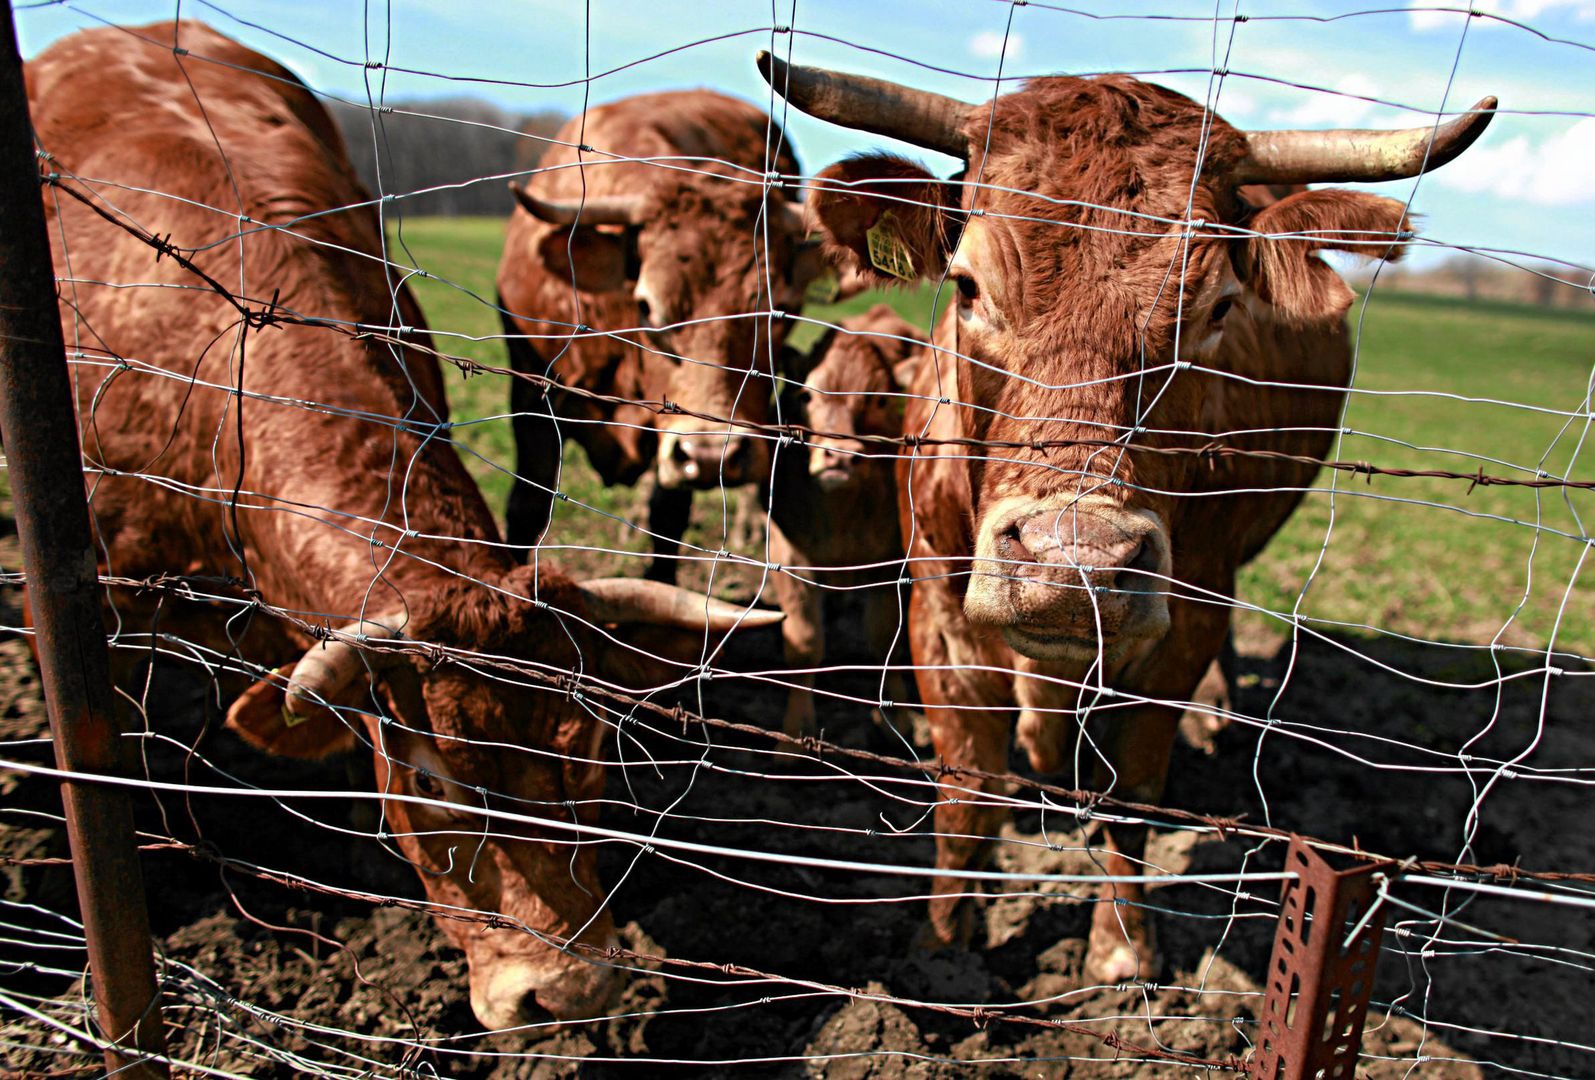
1044 760
1117 962
952 930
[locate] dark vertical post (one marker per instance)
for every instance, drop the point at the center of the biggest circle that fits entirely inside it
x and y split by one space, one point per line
1320 977
39 426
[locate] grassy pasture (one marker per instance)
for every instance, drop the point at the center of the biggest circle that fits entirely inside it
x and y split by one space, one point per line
1423 557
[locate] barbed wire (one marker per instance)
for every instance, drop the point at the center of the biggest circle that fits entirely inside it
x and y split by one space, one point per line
749 816
270 314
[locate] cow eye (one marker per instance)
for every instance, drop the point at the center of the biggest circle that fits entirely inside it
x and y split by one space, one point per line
1220 310
968 291
428 786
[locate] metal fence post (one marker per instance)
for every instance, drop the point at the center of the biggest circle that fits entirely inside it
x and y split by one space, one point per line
1320 976
39 426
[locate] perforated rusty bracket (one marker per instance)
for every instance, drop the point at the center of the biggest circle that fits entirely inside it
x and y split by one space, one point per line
1321 973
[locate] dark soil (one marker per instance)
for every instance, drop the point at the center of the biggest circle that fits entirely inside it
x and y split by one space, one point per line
265 980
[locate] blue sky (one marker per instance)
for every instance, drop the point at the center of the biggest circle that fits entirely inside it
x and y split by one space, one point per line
1528 186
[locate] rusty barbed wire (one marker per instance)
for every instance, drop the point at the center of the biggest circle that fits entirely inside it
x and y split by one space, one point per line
269 314
818 749
355 1046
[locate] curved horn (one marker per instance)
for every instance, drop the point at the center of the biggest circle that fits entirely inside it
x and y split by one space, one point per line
884 108
631 600
1346 155
596 210
328 667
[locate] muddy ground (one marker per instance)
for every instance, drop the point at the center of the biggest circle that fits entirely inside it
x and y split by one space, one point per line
243 953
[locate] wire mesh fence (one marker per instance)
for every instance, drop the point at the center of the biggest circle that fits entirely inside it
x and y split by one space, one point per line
438 773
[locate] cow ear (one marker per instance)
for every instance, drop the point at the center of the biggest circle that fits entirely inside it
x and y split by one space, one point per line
258 718
795 367
884 218
905 372
599 261
1281 264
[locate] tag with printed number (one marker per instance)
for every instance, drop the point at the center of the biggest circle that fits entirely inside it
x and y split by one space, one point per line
887 251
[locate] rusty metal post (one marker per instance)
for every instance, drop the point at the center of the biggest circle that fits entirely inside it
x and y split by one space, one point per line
39 427
1320 977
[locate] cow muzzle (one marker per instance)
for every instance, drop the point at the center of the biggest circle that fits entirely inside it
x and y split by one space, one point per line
509 992
1070 577
709 459
831 468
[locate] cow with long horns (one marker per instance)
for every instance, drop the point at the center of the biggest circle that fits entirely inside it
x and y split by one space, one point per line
1118 305
309 460
646 271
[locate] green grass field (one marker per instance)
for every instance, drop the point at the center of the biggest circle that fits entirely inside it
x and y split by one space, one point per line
1423 557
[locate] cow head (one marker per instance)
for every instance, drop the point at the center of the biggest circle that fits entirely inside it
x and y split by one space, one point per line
1099 246
700 255
467 737
854 389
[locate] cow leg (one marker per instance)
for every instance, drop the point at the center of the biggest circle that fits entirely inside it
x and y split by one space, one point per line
1047 727
1212 699
537 454
802 634
1135 765
966 826
881 624
669 511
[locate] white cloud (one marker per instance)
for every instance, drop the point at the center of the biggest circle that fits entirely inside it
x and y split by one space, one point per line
987 45
1345 108
1555 172
1235 105
1524 11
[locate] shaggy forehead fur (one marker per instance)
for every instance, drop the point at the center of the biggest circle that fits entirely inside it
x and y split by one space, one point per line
1115 148
495 618
720 237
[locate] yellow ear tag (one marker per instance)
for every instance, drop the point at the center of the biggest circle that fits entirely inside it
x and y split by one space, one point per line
887 252
823 289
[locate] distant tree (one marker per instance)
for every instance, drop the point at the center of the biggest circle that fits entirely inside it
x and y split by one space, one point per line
1545 284
1469 272
446 156
537 129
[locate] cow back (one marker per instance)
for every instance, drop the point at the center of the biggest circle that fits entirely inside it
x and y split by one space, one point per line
227 156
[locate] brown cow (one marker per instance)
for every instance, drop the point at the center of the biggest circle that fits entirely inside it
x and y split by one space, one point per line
668 259
1114 295
206 461
826 506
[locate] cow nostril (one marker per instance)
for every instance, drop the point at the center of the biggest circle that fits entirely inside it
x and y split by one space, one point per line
1133 574
679 452
1011 545
736 450
532 1012
642 306
1146 560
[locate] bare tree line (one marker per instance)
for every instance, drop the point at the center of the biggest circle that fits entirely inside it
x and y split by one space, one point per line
458 141
452 144
1475 278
